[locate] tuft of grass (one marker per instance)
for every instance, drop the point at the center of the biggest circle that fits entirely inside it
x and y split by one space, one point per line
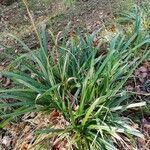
74 77
69 2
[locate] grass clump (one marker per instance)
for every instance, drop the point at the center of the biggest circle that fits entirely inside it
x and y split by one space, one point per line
86 86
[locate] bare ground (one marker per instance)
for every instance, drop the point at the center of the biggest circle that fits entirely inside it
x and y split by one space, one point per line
86 13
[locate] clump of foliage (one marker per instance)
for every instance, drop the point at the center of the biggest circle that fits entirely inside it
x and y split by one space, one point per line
86 86
69 2
138 15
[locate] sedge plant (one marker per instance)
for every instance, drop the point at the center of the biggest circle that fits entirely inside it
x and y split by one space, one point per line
85 86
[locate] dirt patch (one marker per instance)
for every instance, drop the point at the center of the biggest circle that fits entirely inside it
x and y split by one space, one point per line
89 15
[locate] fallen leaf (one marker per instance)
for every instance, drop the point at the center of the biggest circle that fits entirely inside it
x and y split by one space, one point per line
143 69
146 127
144 144
53 116
6 141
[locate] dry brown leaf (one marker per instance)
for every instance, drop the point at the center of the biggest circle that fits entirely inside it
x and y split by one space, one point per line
144 144
143 69
25 147
53 116
146 127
